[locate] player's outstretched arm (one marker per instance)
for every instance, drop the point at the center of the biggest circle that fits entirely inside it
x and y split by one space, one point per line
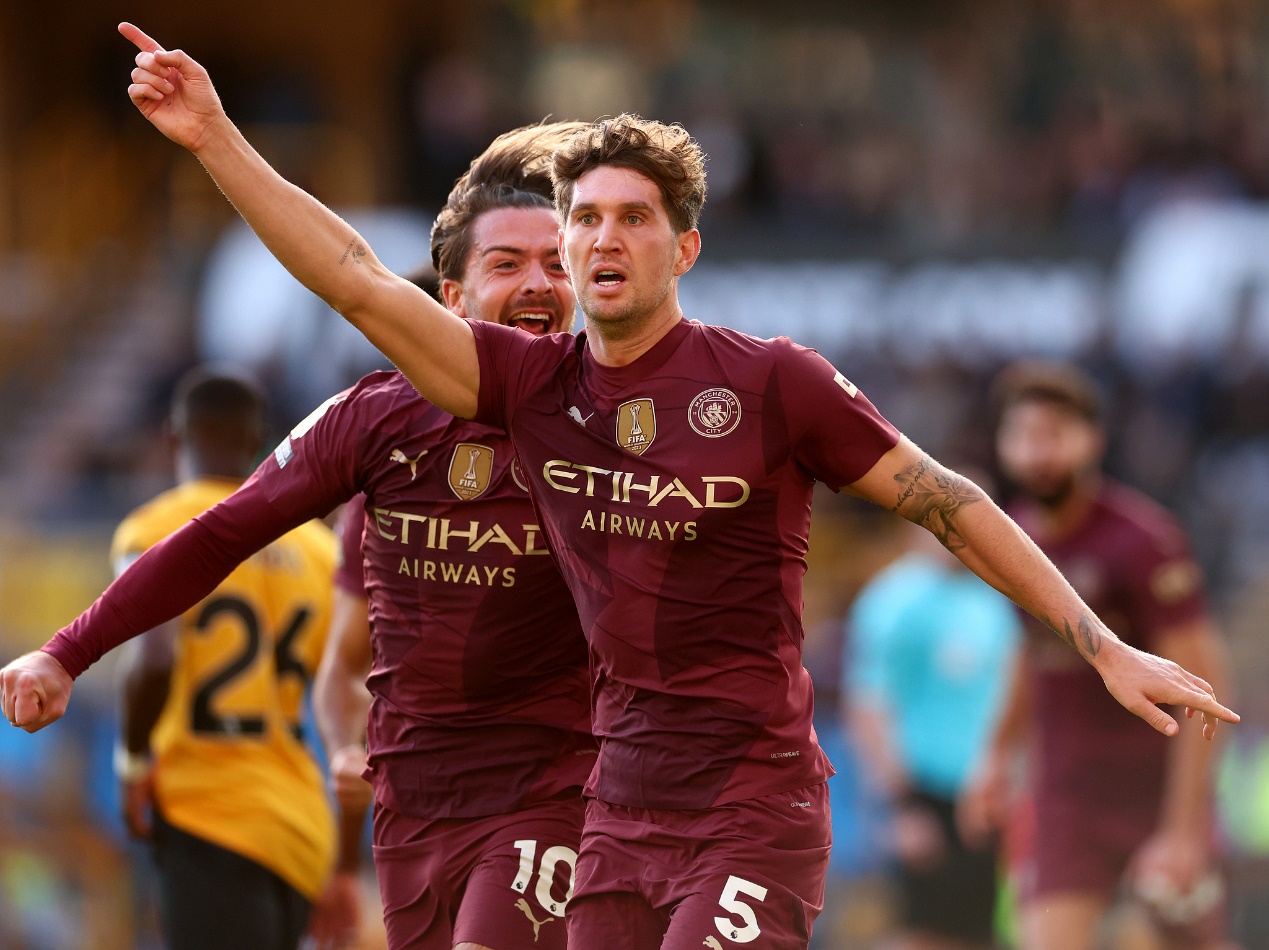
34 691
431 346
989 543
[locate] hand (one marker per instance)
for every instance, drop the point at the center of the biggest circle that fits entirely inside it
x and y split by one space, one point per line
351 790
137 798
337 914
985 802
919 841
172 91
1181 857
1141 681
34 691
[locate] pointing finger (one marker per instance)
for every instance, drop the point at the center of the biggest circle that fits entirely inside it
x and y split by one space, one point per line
138 38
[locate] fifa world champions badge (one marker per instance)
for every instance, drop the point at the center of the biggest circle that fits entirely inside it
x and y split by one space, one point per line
714 413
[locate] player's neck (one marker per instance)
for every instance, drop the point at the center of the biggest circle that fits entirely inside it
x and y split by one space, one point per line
623 343
1069 514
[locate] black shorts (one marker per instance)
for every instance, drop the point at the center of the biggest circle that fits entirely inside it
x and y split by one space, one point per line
211 898
957 898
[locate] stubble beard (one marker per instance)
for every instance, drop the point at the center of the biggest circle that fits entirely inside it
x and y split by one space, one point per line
629 319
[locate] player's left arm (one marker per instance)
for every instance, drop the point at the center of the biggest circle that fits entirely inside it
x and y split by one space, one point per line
1180 848
146 679
987 541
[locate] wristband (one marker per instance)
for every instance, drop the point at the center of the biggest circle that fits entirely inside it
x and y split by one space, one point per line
131 766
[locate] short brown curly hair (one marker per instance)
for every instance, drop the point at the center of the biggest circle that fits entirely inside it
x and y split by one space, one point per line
513 172
665 154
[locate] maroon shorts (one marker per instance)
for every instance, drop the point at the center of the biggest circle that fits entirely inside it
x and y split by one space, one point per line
1087 850
502 881
746 873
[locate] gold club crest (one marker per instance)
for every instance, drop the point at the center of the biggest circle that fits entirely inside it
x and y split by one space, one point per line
636 425
470 469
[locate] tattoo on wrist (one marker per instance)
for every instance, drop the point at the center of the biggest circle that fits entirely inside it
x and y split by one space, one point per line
932 496
1086 638
356 249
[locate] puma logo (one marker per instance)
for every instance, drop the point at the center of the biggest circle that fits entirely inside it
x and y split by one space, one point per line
523 905
577 416
399 456
712 944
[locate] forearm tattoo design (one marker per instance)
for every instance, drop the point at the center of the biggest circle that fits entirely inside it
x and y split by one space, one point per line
1086 639
932 496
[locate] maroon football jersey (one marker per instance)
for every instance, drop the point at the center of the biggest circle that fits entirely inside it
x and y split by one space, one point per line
676 493
1130 562
479 683
350 574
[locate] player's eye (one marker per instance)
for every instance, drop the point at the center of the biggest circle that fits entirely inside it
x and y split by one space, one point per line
587 219
633 219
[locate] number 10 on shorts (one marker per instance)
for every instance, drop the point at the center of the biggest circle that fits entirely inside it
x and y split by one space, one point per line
551 857
731 902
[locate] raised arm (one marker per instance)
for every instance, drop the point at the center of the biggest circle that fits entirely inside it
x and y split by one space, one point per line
967 522
432 347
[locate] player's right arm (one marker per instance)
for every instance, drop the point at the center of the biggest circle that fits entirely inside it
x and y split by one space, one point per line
432 347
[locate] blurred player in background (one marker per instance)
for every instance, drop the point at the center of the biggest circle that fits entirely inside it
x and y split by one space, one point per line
931 651
673 466
212 762
479 731
1114 804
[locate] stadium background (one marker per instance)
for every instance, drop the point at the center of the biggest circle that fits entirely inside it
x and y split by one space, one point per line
923 189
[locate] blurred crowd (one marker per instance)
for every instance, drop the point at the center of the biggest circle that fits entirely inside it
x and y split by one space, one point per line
1059 177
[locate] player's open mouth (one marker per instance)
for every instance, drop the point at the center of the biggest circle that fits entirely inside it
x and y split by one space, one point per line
537 322
609 278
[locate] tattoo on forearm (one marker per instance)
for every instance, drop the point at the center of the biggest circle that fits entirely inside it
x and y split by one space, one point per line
1086 639
932 497
356 249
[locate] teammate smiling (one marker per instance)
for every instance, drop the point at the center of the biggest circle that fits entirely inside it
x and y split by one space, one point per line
706 821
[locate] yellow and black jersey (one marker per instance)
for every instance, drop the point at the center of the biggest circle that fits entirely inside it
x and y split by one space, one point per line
230 765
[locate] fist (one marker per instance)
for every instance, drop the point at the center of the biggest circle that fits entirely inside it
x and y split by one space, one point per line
351 790
34 691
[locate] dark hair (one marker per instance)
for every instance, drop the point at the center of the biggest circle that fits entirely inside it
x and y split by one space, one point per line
665 154
1058 384
513 172
217 393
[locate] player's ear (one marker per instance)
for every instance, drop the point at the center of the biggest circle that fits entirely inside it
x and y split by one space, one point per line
452 296
689 249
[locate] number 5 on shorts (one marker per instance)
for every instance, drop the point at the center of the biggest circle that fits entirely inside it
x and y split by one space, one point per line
528 849
733 905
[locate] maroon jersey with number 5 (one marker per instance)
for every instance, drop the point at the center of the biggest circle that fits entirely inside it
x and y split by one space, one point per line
676 494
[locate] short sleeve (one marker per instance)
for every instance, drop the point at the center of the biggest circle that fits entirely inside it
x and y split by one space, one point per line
502 352
1165 583
350 572
837 435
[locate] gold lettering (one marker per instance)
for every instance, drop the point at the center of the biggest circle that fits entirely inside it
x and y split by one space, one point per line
558 468
508 577
591 472
711 480
650 488
446 533
451 572
431 533
634 526
429 570
614 524
404 568
491 573
616 487
382 521
472 575
406 518
671 527
498 536
654 530
530 539
689 531
588 520
675 489
603 521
